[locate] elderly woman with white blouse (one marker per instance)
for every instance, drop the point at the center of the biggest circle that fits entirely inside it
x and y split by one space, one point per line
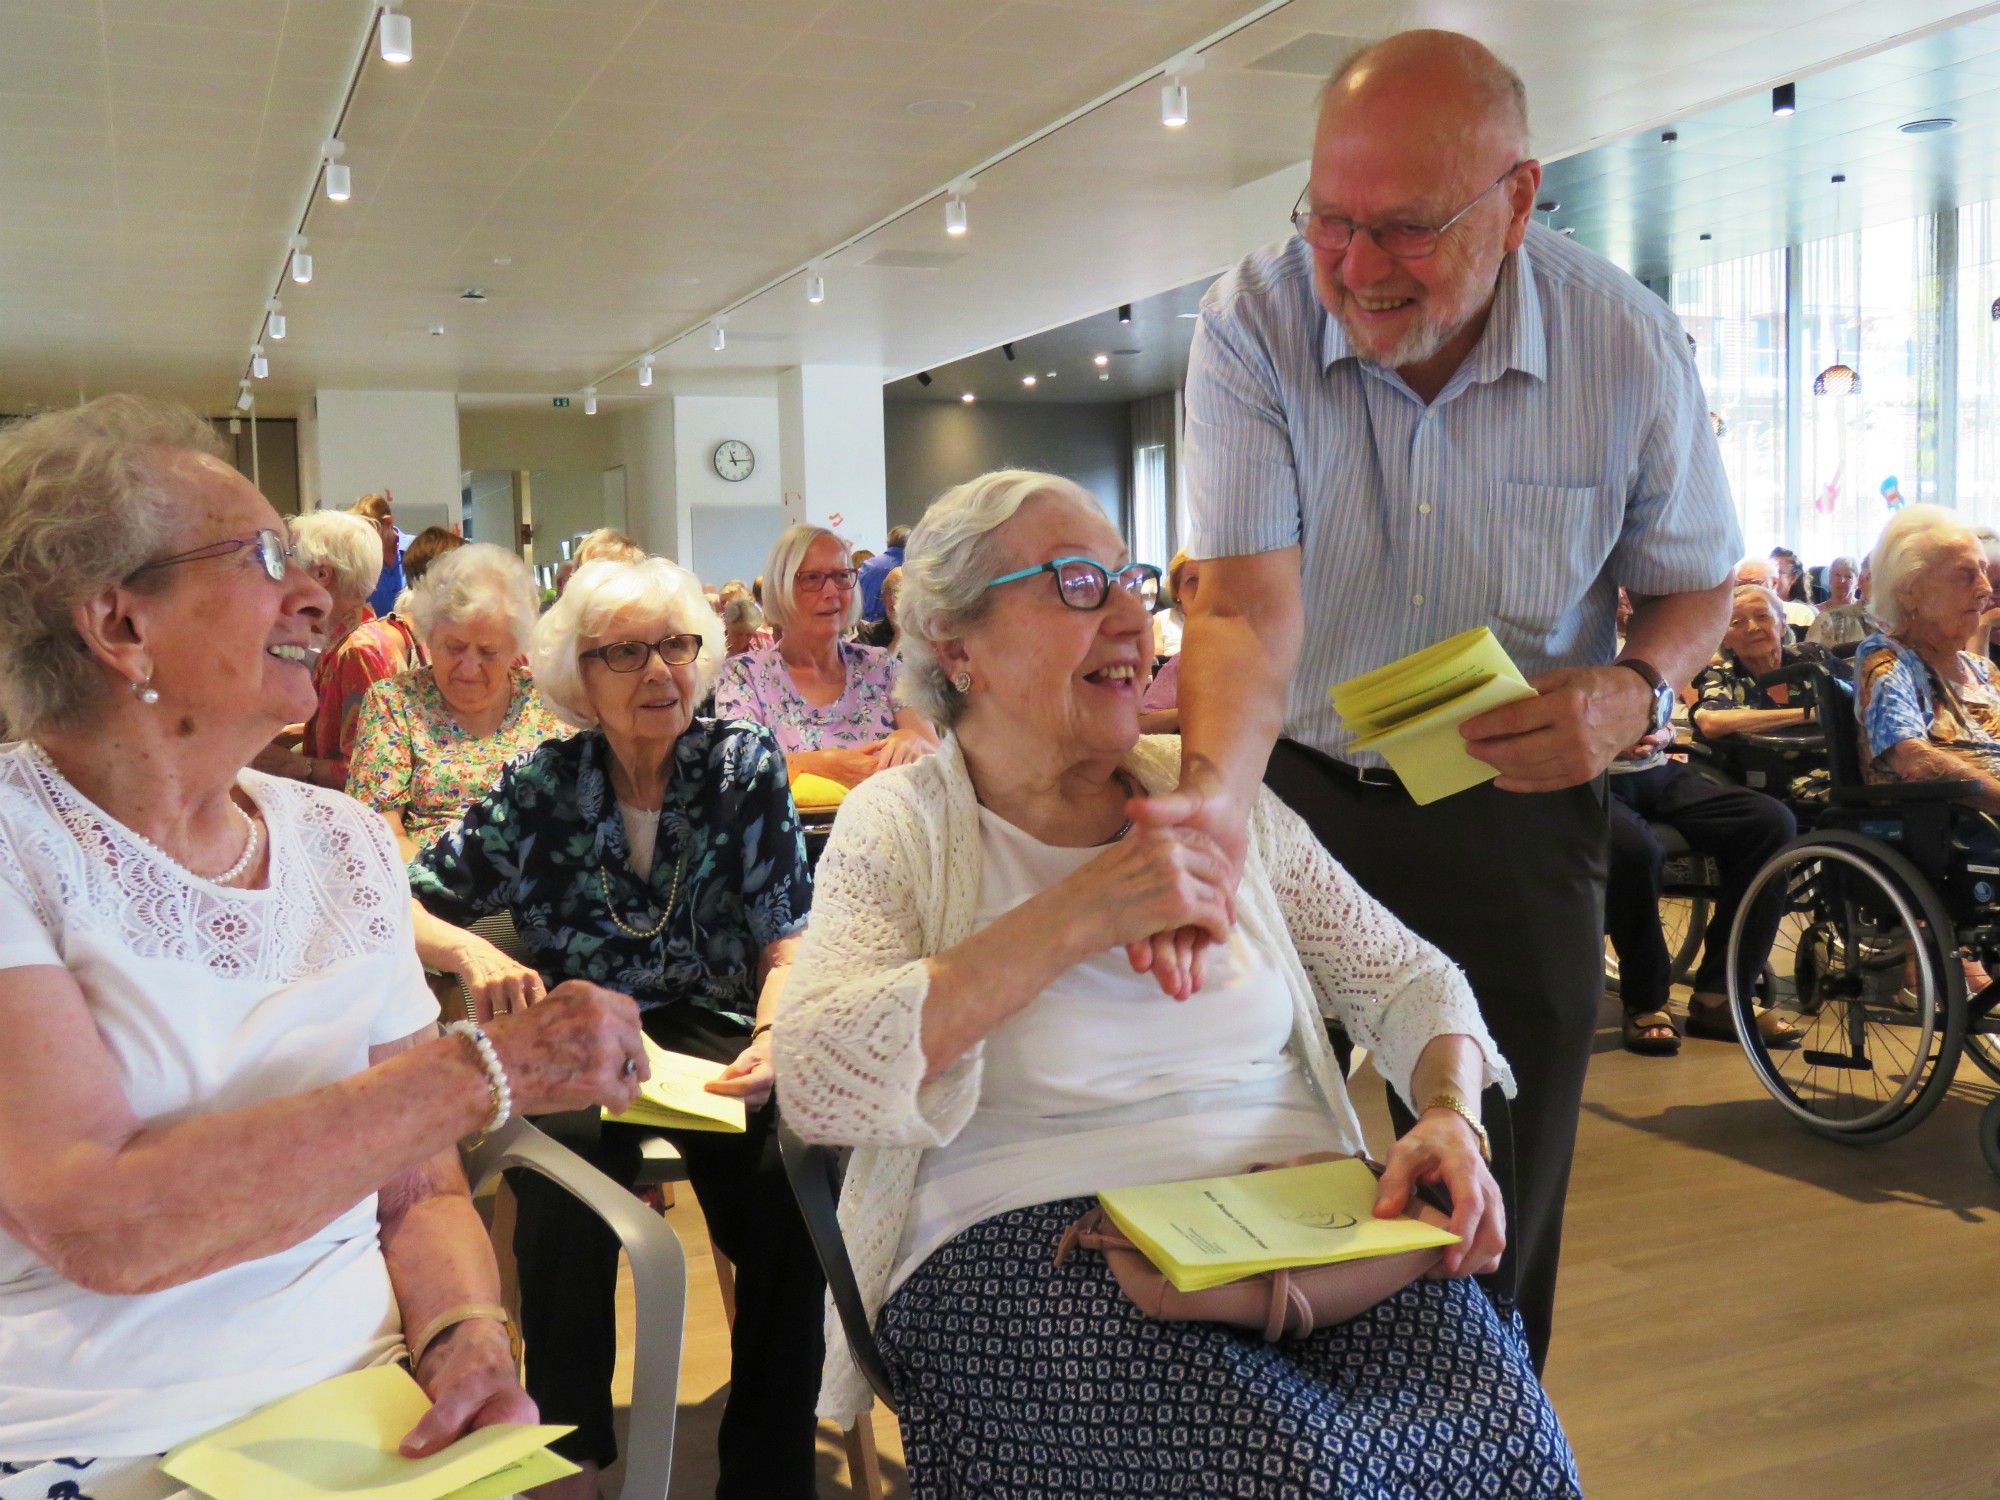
228 1125
968 1010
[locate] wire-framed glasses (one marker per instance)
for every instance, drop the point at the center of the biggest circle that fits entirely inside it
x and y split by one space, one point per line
274 551
630 656
1332 233
1082 583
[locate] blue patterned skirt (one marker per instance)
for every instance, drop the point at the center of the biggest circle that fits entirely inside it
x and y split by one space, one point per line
1019 1379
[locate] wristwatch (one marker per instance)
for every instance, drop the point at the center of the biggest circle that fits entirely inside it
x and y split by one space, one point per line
1663 694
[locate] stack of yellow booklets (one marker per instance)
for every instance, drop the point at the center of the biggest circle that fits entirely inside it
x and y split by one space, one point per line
339 1438
1217 1229
1409 711
674 1099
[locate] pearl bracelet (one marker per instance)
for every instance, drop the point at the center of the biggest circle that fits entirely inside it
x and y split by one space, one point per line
496 1076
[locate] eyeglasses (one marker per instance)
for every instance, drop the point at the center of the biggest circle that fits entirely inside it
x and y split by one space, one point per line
813 582
630 656
1332 233
273 551
1083 584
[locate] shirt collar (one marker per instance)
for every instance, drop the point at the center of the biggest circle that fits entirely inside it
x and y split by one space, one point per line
1515 337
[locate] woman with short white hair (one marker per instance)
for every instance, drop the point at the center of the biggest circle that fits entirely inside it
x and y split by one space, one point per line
433 739
661 853
343 553
830 702
1929 708
967 1013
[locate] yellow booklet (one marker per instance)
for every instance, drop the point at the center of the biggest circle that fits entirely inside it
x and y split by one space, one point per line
674 1099
815 793
1409 711
339 1438
1217 1229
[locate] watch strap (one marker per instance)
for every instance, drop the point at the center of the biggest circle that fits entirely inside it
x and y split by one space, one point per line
1648 673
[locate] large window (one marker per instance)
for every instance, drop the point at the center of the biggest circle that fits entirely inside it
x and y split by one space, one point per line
1978 418
1735 313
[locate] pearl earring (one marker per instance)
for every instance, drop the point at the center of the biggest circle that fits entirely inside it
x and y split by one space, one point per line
963 682
145 692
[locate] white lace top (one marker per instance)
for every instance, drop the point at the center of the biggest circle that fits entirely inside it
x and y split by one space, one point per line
206 998
900 881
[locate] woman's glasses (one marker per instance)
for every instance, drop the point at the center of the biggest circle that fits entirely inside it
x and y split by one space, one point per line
1084 584
813 582
630 656
273 551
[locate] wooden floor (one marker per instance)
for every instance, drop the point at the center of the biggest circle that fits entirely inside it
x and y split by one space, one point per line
1746 1310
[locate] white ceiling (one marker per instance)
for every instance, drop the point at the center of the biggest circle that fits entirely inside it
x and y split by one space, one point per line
642 164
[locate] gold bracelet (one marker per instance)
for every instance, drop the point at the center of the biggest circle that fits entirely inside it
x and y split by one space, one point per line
1459 1107
465 1312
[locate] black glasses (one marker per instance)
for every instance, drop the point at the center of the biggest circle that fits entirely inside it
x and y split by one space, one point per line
1332 233
813 582
273 551
630 656
1084 584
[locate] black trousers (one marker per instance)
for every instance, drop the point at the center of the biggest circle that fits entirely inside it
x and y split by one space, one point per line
569 1276
1739 828
1511 886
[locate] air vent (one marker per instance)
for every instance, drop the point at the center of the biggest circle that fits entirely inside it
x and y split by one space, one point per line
914 260
473 294
1314 55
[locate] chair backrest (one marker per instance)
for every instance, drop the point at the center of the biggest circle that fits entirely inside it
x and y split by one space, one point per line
659 1286
814 1173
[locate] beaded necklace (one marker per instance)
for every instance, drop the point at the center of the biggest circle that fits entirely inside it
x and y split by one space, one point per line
673 899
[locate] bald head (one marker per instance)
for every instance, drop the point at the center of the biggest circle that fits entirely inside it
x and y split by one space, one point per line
1432 84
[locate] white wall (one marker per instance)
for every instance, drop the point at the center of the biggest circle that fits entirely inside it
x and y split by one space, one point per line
646 448
699 424
405 442
830 423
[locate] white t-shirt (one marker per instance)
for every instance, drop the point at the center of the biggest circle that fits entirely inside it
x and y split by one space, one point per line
1103 1081
208 999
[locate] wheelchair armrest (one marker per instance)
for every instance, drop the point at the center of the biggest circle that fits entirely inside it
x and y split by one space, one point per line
814 1173
1904 793
659 1286
1795 737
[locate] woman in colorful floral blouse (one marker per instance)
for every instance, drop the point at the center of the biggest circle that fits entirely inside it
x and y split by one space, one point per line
830 703
343 553
661 853
434 739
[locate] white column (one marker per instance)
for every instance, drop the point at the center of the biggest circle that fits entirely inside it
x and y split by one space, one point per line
405 442
830 447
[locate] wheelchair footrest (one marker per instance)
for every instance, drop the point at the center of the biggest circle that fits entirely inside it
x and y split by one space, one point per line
1838 1060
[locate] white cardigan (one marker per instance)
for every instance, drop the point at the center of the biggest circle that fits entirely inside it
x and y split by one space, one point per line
900 881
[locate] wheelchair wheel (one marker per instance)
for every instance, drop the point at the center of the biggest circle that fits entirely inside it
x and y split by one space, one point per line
1871 975
1984 1050
1989 1136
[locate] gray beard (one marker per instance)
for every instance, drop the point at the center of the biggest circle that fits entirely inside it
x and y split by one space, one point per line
1416 346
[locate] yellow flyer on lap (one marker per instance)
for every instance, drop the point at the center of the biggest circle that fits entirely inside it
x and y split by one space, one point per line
1217 1229
674 1099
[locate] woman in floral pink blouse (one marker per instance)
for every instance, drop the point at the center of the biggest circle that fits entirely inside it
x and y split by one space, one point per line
433 740
830 702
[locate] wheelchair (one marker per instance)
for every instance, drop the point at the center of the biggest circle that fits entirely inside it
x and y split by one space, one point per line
1881 893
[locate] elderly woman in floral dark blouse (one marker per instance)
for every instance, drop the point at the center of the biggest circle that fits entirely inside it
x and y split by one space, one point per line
658 854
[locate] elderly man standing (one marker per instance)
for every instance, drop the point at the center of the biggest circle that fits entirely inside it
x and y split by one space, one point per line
1427 413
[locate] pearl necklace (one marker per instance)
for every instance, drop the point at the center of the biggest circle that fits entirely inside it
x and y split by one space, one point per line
253 835
673 900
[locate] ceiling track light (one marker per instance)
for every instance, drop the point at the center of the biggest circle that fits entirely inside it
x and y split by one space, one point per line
1785 99
590 401
1173 93
339 181
720 339
259 366
274 319
394 36
302 262
815 288
244 400
1124 312
954 205
235 426
645 369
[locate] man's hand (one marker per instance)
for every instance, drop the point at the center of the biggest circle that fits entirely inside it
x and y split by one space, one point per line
1178 958
1581 718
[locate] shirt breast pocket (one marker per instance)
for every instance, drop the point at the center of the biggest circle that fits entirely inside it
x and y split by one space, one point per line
1550 543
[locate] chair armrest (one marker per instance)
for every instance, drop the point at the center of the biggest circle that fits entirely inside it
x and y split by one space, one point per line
1797 737
1904 793
814 1173
659 1286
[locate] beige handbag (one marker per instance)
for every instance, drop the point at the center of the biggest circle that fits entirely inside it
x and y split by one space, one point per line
1278 1304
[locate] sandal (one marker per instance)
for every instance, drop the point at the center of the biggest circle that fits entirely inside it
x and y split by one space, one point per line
1716 1023
1636 1040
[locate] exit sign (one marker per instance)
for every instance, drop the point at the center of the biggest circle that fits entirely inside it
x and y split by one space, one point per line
562 401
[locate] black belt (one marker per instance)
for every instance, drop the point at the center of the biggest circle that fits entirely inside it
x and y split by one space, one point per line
1374 778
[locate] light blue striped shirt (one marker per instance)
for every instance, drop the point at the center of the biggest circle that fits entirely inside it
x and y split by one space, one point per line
1571 453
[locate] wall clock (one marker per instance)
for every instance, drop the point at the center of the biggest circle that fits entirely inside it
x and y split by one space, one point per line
733 460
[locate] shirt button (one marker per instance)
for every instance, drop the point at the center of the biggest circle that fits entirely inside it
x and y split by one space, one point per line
1424 509
1417 599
